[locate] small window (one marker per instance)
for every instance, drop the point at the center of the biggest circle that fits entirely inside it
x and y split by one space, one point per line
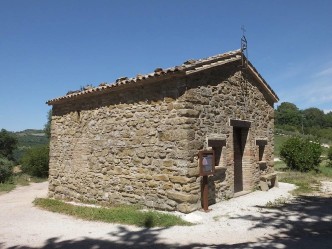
261 143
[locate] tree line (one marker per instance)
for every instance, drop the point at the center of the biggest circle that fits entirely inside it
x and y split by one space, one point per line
310 121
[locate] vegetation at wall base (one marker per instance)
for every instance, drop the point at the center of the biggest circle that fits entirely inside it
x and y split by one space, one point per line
124 214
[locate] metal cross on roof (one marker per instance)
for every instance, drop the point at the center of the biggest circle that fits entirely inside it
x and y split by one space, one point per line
243 30
243 39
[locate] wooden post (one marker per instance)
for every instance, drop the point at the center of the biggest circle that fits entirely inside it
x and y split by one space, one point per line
206 168
205 188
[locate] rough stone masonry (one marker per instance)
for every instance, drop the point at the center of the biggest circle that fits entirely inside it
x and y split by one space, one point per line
136 141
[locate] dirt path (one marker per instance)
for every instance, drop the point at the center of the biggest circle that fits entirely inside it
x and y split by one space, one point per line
243 222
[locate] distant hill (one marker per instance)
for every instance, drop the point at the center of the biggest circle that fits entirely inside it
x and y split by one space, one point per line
27 139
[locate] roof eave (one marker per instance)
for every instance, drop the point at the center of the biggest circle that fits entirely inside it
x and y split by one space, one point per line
125 84
263 83
193 66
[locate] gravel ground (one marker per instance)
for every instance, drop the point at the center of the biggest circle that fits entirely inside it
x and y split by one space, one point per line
242 222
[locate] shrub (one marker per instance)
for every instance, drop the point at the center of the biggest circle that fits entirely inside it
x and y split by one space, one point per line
6 169
35 161
329 153
301 154
8 143
329 157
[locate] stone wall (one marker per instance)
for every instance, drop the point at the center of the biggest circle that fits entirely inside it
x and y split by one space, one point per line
139 144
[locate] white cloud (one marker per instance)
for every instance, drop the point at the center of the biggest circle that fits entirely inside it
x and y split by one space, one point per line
327 111
318 90
317 94
325 72
307 86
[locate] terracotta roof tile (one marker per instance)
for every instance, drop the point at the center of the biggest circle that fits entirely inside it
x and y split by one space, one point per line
188 67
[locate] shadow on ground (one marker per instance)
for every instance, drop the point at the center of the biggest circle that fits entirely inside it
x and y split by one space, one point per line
305 223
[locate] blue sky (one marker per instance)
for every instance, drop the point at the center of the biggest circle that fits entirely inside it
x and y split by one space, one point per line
50 47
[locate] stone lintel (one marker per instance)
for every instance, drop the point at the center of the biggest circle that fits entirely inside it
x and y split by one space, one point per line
240 123
261 142
216 140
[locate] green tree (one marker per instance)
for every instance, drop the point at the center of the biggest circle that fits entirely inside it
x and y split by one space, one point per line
301 154
6 169
329 157
47 127
35 161
288 114
8 144
328 119
313 117
329 153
